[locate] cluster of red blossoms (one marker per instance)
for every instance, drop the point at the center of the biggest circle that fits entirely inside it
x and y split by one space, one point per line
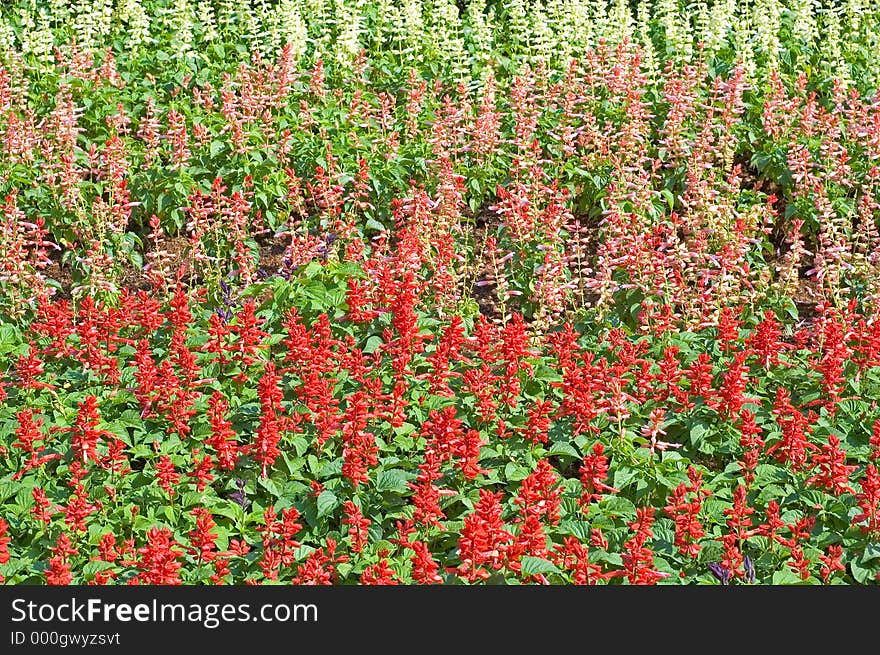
307 449
551 351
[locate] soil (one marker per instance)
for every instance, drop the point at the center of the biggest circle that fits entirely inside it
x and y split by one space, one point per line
485 222
272 250
805 299
178 249
61 275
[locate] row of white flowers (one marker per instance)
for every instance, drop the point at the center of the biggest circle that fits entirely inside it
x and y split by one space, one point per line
759 32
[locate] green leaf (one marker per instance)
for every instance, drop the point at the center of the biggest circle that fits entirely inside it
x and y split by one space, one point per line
270 486
862 574
623 476
8 489
670 199
618 506
855 408
579 529
373 224
514 472
394 480
872 551
537 566
301 444
228 509
372 344
327 502
698 434
563 448
94 566
404 430
785 576
191 499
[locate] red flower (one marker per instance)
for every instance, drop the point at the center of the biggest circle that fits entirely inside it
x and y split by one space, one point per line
581 386
58 572
728 329
875 441
684 507
319 568
4 543
733 384
868 501
279 545
379 574
798 562
359 300
835 352
774 522
831 562
540 494
447 350
29 368
739 526
468 452
793 447
700 376
531 540
167 476
79 509
425 568
272 420
833 474
55 321
159 559
222 438
539 421
360 451
85 433
426 496
202 471
249 335
483 539
637 556
221 570
42 510
514 349
27 435
574 556
107 548
594 472
443 431
669 377
480 382
751 443
358 526
202 539
764 341
218 334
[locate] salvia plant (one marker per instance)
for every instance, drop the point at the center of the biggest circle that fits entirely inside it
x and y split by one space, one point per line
434 292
